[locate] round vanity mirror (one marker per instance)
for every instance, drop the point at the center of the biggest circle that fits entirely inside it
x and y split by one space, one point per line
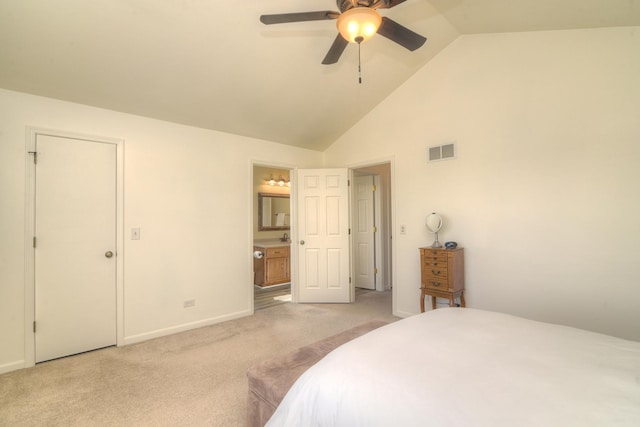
434 224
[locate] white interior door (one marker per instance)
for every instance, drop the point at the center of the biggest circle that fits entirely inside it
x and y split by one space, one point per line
75 229
323 235
363 232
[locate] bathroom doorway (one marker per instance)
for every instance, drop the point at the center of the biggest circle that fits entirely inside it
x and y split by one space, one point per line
271 236
266 179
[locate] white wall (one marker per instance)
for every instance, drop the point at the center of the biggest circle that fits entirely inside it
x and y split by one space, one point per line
188 190
545 192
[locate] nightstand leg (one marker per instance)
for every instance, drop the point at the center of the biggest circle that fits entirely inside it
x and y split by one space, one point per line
422 295
433 302
452 301
462 303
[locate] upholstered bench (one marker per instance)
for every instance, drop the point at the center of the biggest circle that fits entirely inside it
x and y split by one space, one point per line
271 379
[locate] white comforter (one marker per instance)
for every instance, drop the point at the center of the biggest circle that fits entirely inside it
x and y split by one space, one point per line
467 367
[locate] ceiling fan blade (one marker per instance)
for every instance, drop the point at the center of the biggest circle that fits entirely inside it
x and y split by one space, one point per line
401 35
335 51
281 18
388 4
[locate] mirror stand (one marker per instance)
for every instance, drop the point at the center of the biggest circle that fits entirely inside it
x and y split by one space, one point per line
436 243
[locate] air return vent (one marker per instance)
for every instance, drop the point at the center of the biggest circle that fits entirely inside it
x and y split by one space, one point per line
442 152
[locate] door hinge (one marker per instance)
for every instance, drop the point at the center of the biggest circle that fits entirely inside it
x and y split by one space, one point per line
349 232
349 280
34 241
348 183
34 326
375 271
35 156
374 188
375 229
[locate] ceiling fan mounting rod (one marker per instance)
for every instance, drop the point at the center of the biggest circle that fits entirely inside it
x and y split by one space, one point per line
344 5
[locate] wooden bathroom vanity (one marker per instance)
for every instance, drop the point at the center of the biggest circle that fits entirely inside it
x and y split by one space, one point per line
274 267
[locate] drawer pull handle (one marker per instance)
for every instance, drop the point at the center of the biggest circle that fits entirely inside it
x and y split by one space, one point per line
436 284
437 273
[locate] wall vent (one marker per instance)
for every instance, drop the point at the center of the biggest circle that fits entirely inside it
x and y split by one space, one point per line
442 152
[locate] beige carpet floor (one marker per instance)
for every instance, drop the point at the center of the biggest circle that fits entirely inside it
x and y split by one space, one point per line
195 378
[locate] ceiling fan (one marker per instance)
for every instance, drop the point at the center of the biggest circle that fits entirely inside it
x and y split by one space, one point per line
357 21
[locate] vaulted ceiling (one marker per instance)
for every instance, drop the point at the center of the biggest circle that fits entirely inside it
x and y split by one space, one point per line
212 64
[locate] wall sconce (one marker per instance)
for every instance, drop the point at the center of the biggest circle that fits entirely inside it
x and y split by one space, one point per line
281 182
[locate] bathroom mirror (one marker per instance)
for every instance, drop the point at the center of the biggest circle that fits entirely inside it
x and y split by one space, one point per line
433 222
273 212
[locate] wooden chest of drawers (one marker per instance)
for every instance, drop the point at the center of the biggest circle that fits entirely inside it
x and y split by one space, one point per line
442 275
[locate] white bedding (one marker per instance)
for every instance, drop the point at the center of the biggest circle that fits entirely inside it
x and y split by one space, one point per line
467 367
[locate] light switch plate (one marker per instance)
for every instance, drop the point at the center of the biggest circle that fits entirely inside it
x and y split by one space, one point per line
135 233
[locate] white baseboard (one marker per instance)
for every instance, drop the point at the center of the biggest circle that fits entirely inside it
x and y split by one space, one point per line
13 366
184 327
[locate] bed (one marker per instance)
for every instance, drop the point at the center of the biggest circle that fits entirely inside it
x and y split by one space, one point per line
468 367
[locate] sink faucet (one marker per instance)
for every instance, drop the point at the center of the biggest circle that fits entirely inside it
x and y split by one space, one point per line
285 238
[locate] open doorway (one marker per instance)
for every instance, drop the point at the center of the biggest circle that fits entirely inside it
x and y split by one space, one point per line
266 179
371 222
271 236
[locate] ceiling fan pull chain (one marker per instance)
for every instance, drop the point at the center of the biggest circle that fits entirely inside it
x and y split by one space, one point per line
359 69
359 41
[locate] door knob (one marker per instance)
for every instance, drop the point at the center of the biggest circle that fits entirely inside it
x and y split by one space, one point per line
108 254
302 242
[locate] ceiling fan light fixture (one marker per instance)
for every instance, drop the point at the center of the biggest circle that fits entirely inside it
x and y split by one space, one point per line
358 24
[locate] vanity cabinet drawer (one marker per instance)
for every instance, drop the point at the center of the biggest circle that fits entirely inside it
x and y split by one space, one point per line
429 263
436 283
277 252
434 254
436 273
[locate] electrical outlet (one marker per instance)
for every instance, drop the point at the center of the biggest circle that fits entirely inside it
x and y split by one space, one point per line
403 229
135 233
189 303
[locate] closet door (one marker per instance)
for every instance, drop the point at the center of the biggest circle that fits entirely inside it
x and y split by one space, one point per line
75 245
